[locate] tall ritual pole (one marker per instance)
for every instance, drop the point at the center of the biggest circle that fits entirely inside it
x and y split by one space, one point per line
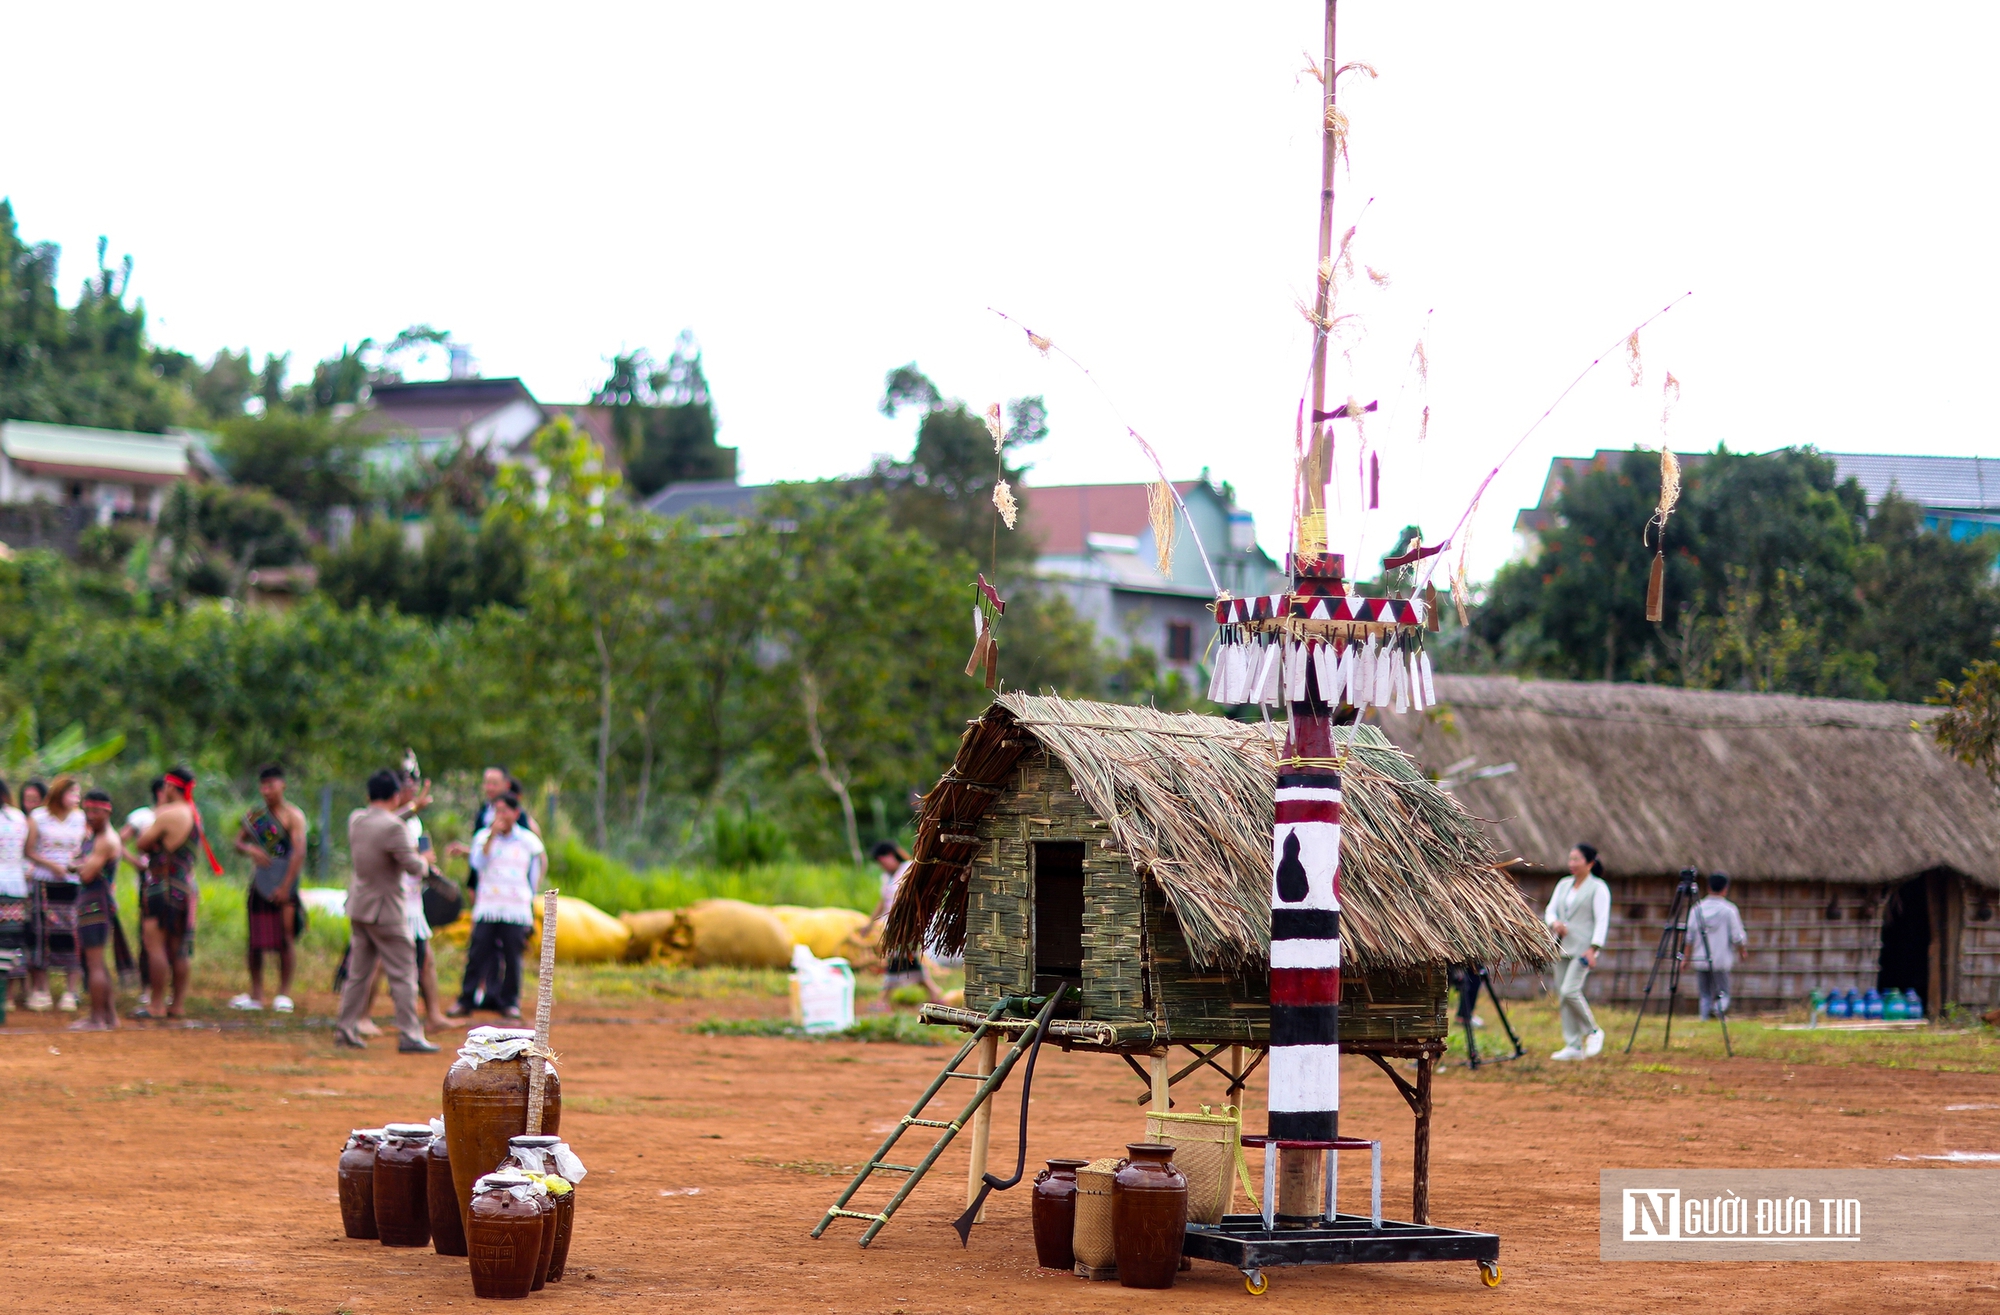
1305 835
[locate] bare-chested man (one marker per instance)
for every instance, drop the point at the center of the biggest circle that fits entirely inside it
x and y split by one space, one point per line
96 907
275 840
170 842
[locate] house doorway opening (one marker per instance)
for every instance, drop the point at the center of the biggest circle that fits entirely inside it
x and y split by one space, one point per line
1906 940
1058 932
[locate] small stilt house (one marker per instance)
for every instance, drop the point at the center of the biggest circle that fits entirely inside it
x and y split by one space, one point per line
1860 854
1127 851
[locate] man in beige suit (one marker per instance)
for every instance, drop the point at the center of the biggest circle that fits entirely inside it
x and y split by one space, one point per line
380 926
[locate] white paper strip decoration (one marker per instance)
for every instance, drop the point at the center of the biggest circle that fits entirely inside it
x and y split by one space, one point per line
1326 667
1430 686
1295 672
1385 676
1217 685
1270 682
1401 677
1364 674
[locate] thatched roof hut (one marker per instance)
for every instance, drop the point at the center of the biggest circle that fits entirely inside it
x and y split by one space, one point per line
1860 853
1186 801
1765 786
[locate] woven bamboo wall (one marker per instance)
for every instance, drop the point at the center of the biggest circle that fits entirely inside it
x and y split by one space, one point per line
1802 936
1136 962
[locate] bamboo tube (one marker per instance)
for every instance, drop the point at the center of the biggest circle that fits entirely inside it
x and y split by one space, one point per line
545 998
982 1126
1162 1101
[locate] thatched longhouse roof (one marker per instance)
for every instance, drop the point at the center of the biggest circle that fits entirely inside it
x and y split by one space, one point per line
1188 799
1762 786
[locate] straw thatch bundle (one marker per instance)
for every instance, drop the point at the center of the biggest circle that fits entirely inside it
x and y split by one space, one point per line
1188 799
1763 786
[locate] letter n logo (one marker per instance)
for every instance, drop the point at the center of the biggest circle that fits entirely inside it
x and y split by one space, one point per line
1652 1214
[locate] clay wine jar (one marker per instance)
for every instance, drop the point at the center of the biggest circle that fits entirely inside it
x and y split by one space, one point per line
357 1183
503 1235
1148 1216
402 1185
547 1254
1054 1210
483 1107
565 1199
441 1196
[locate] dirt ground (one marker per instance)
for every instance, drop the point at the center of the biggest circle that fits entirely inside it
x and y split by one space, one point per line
193 1170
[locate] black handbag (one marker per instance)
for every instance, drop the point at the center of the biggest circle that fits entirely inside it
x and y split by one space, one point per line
443 900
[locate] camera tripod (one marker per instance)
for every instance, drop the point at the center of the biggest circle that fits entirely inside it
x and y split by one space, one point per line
1469 985
1672 953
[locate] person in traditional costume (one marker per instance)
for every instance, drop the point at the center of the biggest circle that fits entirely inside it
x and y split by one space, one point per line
170 843
97 910
14 893
273 838
56 833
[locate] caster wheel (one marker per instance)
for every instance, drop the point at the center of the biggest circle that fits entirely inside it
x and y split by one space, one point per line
1489 1273
1255 1283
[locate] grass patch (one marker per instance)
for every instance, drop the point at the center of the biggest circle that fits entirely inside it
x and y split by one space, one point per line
585 874
898 1029
1948 1048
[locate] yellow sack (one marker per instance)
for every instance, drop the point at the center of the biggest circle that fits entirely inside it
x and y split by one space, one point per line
823 931
584 933
728 933
649 928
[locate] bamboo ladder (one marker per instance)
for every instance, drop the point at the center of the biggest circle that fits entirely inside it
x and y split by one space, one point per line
989 1075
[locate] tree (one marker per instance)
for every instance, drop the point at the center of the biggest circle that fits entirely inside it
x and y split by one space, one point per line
458 571
664 418
945 489
1929 605
311 461
85 364
1969 729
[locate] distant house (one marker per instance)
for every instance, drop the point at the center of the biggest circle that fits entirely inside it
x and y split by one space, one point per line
1958 496
1096 546
1860 854
104 472
497 417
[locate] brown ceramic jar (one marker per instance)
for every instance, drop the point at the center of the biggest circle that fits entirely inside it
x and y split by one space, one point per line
1054 1210
483 1107
357 1183
530 1153
1148 1216
564 1194
402 1185
447 1228
504 1236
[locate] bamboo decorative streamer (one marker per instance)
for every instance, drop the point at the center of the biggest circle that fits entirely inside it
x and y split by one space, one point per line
1160 511
1670 493
545 999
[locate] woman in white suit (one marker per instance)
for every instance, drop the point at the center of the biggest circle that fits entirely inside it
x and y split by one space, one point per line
1579 914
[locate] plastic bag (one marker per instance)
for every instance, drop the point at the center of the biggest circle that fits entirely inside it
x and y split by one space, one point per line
822 992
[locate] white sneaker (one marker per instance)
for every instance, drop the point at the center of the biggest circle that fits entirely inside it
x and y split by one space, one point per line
68 1002
146 998
1593 1043
1567 1052
283 1004
41 1002
246 1002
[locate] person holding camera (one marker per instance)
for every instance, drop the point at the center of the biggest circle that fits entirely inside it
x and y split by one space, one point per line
1579 913
1715 938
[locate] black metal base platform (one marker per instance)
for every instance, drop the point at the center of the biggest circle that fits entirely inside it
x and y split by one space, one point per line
1243 1242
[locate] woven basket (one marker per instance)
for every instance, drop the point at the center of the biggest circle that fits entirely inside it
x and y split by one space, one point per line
1206 1148
1093 1242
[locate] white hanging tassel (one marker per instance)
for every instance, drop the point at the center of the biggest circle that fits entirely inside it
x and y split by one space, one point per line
1430 686
1417 684
1243 672
1385 676
1326 667
1400 674
1295 671
1364 674
1218 685
1343 675
1270 676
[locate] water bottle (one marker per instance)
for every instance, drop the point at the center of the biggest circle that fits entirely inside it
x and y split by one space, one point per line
1893 1008
1871 1003
1913 1004
1837 1005
1818 1003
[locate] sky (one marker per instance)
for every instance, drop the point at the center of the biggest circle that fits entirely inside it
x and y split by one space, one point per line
823 193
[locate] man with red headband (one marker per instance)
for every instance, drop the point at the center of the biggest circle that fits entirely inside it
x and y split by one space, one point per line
95 910
166 893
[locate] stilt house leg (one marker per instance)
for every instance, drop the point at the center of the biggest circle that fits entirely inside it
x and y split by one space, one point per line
982 1125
